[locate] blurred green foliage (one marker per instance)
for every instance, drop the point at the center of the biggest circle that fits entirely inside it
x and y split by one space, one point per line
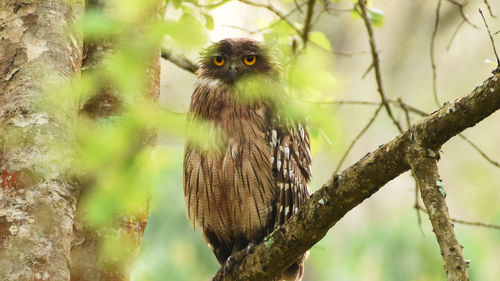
125 172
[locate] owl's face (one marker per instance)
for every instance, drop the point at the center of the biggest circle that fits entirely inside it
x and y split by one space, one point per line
230 59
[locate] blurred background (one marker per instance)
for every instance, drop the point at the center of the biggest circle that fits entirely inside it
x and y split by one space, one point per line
380 239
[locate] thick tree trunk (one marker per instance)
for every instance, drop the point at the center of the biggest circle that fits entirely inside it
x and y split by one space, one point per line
38 51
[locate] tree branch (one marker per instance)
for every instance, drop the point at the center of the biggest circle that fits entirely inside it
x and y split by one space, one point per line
358 182
423 163
376 63
307 23
275 11
461 7
432 50
179 60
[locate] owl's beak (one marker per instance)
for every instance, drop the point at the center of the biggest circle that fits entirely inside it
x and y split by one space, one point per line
233 72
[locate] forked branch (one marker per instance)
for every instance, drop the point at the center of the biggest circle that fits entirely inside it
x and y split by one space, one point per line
358 182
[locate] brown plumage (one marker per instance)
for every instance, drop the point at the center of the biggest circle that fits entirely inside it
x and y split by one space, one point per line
256 175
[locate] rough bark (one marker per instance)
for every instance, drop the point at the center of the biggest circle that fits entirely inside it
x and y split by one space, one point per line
424 166
38 52
87 260
358 182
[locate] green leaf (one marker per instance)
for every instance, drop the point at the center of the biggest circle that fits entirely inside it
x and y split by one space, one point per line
320 39
187 32
209 21
96 24
376 16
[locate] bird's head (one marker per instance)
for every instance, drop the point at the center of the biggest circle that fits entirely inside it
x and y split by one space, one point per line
231 59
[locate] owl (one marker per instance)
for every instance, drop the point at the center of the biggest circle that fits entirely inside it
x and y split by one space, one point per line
255 175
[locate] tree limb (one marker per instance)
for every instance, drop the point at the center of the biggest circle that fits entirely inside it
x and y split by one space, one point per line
179 60
423 163
358 182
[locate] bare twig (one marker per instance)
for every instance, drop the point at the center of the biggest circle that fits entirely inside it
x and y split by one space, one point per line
417 111
327 6
275 11
297 5
472 223
461 7
376 62
417 206
367 71
213 5
423 162
350 53
454 35
492 162
406 111
250 32
492 41
487 225
307 22
179 60
341 102
336 52
433 62
330 10
489 8
355 140
262 29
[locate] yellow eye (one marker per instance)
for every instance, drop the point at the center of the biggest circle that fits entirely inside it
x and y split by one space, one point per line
218 60
250 60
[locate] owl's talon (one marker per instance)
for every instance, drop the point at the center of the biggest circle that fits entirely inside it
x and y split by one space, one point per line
228 265
250 248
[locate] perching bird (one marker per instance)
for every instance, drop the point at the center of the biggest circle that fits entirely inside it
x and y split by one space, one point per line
256 175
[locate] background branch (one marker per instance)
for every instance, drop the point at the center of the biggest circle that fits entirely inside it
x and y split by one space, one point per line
472 223
433 60
376 63
179 59
275 11
461 6
307 23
